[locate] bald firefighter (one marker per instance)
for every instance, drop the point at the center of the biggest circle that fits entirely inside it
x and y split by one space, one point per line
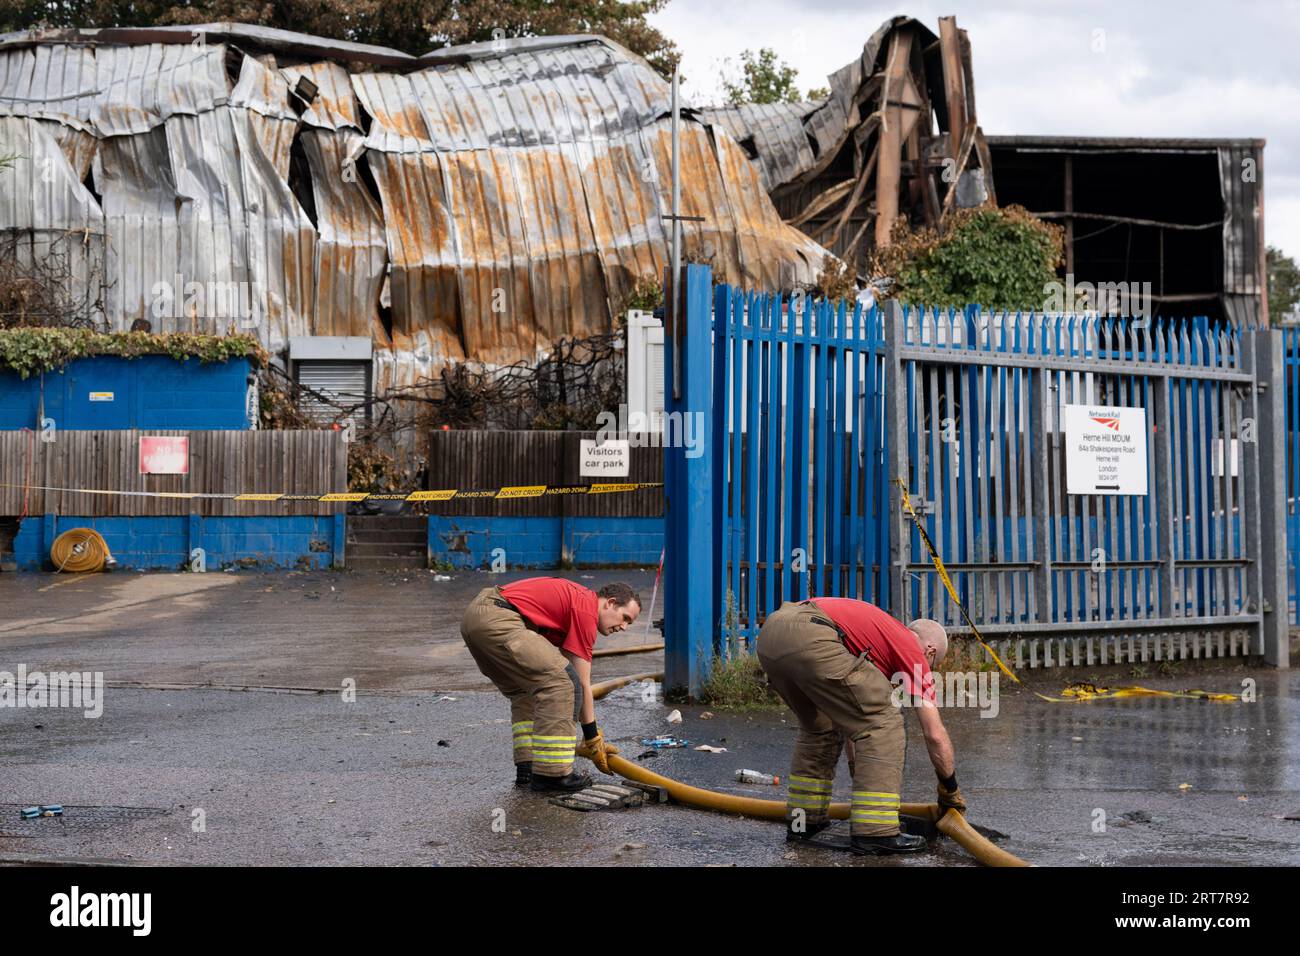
832 661
533 639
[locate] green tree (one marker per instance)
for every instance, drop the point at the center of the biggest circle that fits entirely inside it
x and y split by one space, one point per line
413 26
1283 286
1000 258
763 79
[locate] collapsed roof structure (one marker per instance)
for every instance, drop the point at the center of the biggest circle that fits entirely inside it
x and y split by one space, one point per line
477 202
897 136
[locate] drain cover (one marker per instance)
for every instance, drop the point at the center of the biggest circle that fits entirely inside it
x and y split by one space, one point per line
74 819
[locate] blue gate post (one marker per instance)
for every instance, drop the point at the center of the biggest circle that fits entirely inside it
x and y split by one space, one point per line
692 543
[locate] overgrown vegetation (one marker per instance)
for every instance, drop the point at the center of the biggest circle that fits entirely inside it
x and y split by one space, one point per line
738 683
647 296
578 379
51 282
31 351
1000 258
1283 287
835 281
965 654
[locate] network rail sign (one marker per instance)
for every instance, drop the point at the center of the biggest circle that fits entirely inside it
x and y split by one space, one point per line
1105 450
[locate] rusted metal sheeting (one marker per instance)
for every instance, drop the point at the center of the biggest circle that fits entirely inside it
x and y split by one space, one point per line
501 196
541 175
47 209
223 462
1241 175
774 133
781 132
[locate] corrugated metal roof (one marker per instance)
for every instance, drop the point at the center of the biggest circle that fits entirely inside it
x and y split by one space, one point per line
782 134
520 186
775 132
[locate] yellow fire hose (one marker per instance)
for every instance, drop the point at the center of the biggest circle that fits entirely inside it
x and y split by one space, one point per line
638 649
951 824
79 550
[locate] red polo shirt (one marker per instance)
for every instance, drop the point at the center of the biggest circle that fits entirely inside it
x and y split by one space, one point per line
892 645
565 613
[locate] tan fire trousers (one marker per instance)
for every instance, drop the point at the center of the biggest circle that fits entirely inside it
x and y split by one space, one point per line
544 691
834 694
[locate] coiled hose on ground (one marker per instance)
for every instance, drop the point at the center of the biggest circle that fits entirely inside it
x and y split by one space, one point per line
79 550
951 824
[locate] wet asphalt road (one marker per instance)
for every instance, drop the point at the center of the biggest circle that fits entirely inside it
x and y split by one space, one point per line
299 777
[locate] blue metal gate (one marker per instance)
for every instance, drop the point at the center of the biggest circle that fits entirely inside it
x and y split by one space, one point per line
811 410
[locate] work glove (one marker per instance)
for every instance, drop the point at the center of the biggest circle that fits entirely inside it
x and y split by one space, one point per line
951 799
597 751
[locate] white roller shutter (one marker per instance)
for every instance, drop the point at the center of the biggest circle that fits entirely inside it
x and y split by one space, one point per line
345 382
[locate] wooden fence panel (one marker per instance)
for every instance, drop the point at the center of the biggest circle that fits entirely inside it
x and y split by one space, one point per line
495 459
224 462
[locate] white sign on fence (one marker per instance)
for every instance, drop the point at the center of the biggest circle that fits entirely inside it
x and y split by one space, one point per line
609 460
1105 450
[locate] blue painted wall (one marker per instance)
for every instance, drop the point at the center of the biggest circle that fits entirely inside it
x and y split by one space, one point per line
153 391
535 542
165 543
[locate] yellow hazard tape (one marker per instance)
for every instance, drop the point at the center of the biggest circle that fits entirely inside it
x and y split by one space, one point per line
445 494
947 581
1079 691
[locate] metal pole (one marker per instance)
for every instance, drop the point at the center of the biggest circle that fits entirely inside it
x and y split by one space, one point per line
677 229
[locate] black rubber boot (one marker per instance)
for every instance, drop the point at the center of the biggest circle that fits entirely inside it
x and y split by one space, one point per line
810 830
569 783
523 773
876 845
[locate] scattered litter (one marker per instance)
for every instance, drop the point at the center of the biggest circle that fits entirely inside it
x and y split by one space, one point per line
753 776
1184 786
1243 799
443 743
707 715
438 700
442 577
48 810
1077 740
647 754
1292 816
663 742
675 717
712 750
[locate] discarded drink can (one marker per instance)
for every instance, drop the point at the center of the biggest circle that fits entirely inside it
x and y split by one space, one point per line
753 776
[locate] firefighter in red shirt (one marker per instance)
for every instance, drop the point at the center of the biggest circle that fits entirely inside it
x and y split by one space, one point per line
533 639
832 661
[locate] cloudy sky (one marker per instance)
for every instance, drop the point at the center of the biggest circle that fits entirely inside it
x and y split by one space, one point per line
1109 68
